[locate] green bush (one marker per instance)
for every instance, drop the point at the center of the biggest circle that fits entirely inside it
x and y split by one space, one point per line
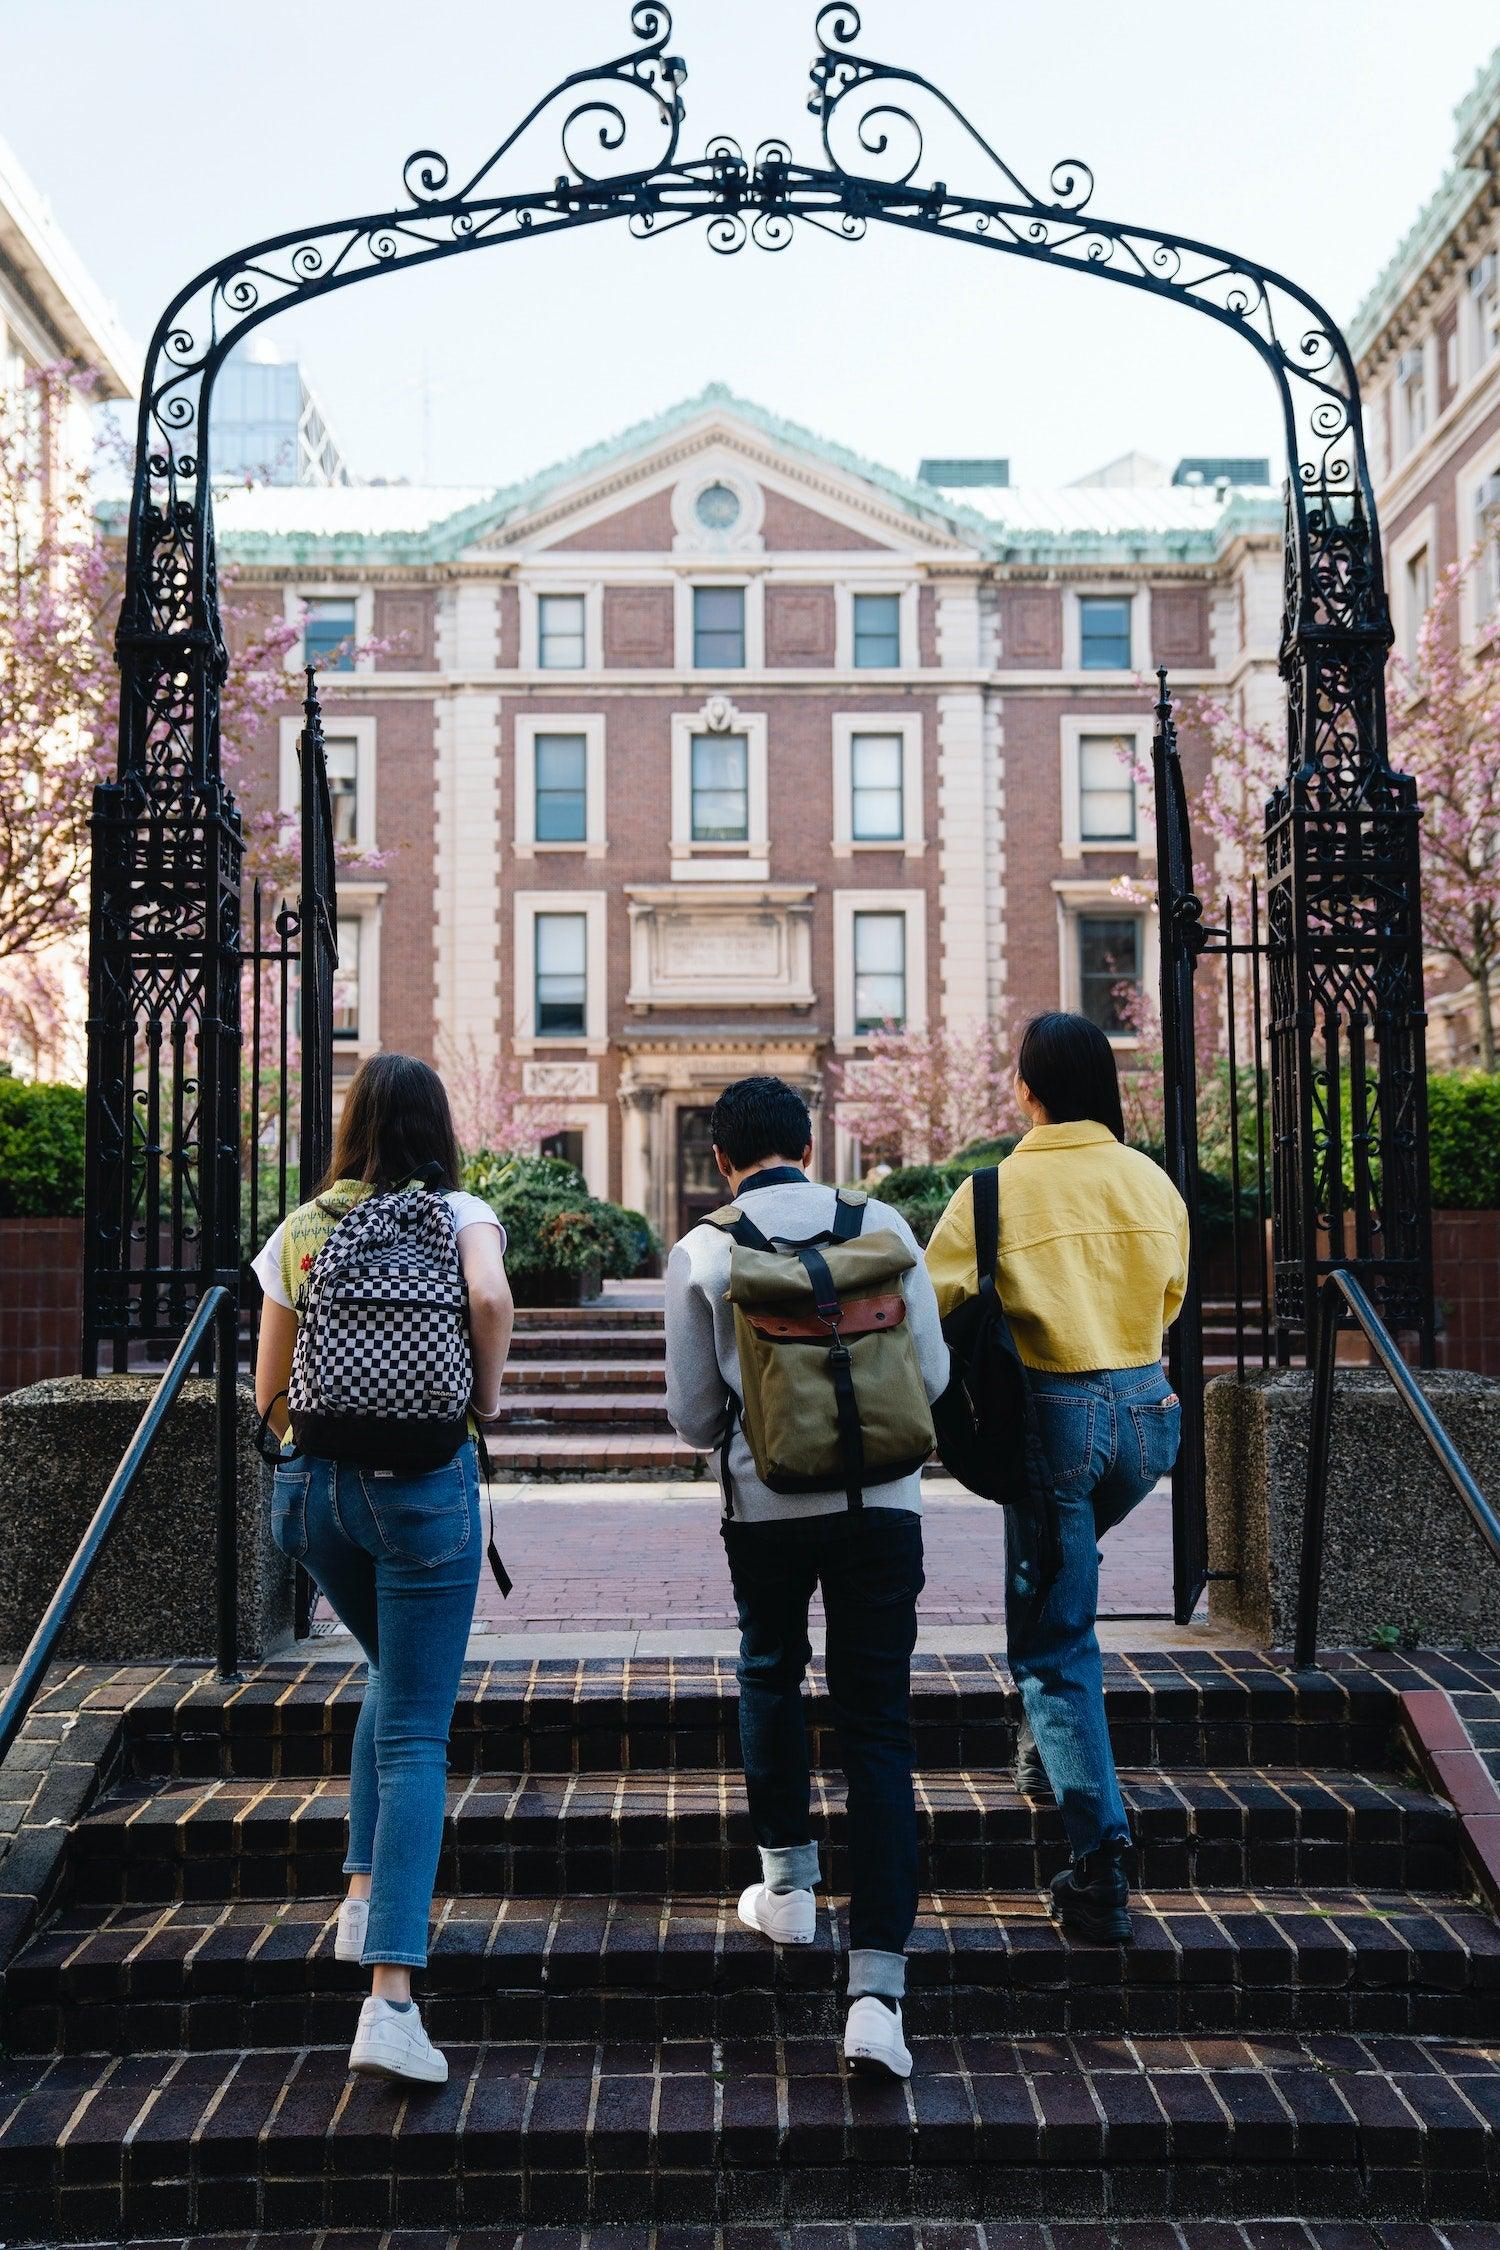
1463 1120
552 1223
41 1150
921 1193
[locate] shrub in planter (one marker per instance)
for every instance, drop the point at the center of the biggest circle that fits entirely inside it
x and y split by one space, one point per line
41 1150
1463 1125
560 1237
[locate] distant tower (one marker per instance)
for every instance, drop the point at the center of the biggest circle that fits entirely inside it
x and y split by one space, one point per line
269 427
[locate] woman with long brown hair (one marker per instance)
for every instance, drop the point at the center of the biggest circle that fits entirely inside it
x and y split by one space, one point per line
396 1552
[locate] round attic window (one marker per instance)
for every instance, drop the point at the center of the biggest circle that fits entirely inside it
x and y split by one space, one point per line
718 507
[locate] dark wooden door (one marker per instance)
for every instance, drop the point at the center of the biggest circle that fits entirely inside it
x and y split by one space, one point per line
700 1187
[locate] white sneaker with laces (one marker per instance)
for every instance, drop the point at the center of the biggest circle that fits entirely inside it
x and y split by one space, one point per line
872 2038
391 2043
349 1937
786 1917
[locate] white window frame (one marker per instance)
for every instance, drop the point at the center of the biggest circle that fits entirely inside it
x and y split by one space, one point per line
591 593
1409 387
591 1119
1075 845
363 733
362 903
906 724
1076 898
1421 532
846 904
844 591
1139 598
737 862
754 586
590 725
592 905
1479 595
294 600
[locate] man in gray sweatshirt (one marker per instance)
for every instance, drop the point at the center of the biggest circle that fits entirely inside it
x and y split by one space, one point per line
781 1547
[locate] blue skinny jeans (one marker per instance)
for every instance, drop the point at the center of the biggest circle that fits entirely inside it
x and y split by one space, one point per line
398 1559
1109 1437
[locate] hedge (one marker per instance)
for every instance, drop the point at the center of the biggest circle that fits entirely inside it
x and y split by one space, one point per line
1463 1121
552 1223
41 1150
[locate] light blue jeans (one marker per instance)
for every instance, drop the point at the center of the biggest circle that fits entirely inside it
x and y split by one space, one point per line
398 1559
1109 1437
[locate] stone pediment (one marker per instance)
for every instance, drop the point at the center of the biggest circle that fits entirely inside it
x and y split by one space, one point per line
709 945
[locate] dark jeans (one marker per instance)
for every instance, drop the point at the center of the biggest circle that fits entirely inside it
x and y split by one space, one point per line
870 1569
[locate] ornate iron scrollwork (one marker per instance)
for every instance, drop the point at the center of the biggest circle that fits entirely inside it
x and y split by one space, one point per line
163 1211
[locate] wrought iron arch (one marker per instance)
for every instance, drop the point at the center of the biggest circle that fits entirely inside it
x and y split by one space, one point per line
163 1197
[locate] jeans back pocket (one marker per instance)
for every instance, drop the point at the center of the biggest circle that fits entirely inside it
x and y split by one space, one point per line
422 1519
1066 1419
1158 1434
289 1511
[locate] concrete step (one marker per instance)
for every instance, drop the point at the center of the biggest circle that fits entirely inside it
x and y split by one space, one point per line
563 1835
672 2132
261 1973
1187 1710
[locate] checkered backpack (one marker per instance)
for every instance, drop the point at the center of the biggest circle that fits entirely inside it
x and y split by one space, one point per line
382 1371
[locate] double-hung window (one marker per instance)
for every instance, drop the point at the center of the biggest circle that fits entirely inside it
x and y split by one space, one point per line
560 632
328 635
720 789
1106 789
341 754
879 971
561 975
719 628
346 979
561 788
877 632
1104 632
1109 967
878 814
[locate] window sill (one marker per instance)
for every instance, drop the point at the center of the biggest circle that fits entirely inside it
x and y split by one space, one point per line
901 847
589 848
545 1043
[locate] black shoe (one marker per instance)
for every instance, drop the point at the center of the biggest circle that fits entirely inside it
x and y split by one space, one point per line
1030 1774
1091 1898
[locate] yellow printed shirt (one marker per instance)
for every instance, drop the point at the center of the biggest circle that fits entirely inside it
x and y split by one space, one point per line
1093 1250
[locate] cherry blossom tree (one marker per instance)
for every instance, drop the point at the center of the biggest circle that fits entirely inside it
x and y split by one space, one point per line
1445 732
917 1097
491 1108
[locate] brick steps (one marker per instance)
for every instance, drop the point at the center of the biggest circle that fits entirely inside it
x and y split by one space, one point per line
525 1375
611 1451
601 1313
546 1835
621 1410
941 2234
583 1341
750 2130
1182 1710
263 1974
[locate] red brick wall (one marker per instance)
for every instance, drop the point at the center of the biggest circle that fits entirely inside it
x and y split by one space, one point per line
1439 492
638 626
41 1300
799 625
407 619
1031 631
644 528
927 650
1179 625
1466 1282
789 526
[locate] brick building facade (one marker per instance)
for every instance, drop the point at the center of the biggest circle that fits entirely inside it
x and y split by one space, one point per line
710 749
1427 343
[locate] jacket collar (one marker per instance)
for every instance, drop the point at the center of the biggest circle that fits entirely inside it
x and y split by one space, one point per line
773 1175
1085 1133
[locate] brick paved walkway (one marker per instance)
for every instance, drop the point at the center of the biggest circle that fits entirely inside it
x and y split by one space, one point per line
647 1558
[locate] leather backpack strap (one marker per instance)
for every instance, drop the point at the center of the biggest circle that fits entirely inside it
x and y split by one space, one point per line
987 1226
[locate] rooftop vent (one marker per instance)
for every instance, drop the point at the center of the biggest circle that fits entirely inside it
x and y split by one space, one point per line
952 475
1225 468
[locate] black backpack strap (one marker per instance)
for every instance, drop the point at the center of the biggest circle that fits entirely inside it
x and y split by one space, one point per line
987 1225
739 1226
498 1570
849 1216
731 1417
851 1438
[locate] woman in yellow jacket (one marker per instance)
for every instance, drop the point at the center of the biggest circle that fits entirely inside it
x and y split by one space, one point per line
1092 1269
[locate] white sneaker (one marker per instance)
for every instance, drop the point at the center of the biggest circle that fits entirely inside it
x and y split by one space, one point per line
349 1937
786 1917
872 2038
391 2043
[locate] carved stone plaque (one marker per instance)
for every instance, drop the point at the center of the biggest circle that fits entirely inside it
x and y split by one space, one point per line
561 1081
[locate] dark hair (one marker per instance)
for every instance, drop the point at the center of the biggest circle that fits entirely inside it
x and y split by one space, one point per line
1069 1065
760 1117
395 1126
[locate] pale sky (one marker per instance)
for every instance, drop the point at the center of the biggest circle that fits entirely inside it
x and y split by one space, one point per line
1304 135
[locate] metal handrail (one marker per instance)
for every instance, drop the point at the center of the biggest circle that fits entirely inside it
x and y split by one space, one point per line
1329 1320
216 1309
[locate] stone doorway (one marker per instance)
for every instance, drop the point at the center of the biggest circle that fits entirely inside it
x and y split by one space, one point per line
700 1187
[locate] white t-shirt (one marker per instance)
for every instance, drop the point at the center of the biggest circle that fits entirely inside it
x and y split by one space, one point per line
468 1211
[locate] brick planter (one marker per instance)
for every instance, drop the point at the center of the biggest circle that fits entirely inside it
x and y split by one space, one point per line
1466 1282
41 1299
554 1287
